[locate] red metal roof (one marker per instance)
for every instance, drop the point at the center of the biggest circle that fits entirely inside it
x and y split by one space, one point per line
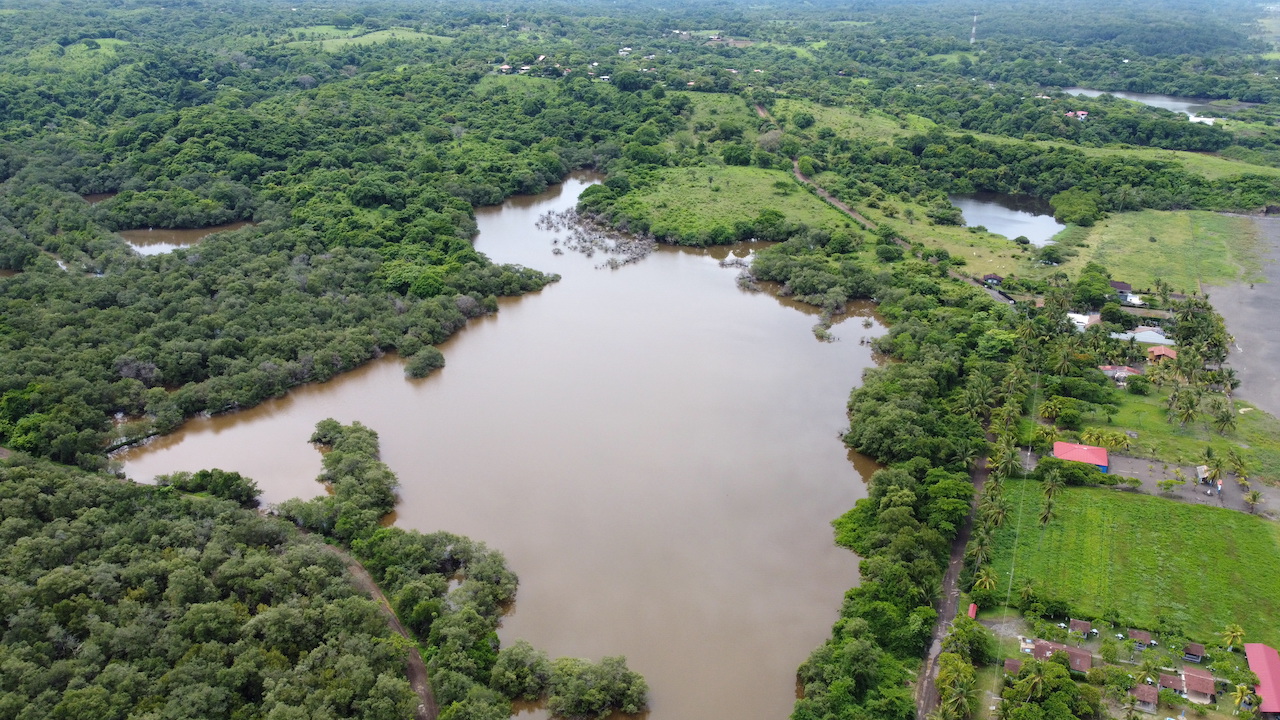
1081 626
1141 636
1079 659
1081 453
1264 661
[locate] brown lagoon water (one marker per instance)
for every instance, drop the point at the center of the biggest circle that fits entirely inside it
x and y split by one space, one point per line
162 240
653 449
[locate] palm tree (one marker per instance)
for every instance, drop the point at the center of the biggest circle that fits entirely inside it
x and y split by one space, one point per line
1232 635
1046 515
1252 498
1053 482
985 579
1027 591
995 511
1224 421
1035 680
1237 464
1130 708
1148 669
1241 695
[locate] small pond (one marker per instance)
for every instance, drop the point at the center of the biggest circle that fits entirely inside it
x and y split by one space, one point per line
160 240
1198 109
1009 215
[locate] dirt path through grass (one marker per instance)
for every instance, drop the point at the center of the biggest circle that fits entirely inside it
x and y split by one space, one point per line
417 670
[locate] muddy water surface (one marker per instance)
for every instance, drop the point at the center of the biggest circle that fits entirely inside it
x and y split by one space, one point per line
162 240
653 449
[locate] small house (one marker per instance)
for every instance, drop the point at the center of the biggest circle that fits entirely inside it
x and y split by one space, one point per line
1201 687
1141 638
1119 373
992 279
1160 352
1172 682
1264 661
1088 454
1121 288
1084 627
1194 652
1146 696
1079 659
1012 667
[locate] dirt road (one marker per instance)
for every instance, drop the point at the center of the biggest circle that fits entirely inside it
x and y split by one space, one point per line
417 670
926 684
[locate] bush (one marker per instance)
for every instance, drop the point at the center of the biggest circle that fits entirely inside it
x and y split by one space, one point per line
424 362
888 253
1138 385
580 688
218 483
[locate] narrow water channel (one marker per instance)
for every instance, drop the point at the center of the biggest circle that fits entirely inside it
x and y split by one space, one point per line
653 449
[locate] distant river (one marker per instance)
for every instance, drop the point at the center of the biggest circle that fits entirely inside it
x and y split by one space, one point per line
655 451
1194 108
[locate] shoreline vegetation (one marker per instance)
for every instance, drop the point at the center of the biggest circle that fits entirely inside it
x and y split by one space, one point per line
360 138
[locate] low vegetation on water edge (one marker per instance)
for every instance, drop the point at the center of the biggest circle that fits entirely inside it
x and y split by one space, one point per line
1140 560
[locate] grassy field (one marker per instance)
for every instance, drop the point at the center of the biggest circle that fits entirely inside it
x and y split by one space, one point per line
330 38
849 122
1256 437
688 200
1191 248
76 56
1144 556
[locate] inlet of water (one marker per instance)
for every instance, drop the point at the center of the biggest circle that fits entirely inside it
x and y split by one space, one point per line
655 451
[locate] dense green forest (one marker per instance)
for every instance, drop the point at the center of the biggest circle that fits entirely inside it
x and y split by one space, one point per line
359 137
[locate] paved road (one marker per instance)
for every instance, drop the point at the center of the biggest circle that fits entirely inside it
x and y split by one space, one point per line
417 670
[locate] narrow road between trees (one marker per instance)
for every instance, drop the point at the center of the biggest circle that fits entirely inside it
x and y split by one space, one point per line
417 670
926 684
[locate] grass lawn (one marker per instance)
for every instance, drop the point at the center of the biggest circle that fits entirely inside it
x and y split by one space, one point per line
688 200
983 252
1191 247
1256 437
1144 556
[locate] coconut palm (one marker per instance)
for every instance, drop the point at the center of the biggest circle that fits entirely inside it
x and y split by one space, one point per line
1232 635
985 579
1237 464
1241 695
1053 483
1224 420
1252 498
1046 515
994 511
1027 591
1148 668
1130 708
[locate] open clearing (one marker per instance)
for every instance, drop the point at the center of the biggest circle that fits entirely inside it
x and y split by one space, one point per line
330 38
1191 247
690 200
1145 557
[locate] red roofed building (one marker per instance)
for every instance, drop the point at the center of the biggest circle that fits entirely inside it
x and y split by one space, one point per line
1172 682
1081 626
1200 685
1088 454
1161 352
1147 697
1264 661
1079 659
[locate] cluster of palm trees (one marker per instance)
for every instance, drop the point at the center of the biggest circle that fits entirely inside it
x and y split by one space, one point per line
957 689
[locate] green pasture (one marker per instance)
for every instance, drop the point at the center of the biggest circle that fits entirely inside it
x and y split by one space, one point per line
688 201
329 38
1191 247
1144 558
